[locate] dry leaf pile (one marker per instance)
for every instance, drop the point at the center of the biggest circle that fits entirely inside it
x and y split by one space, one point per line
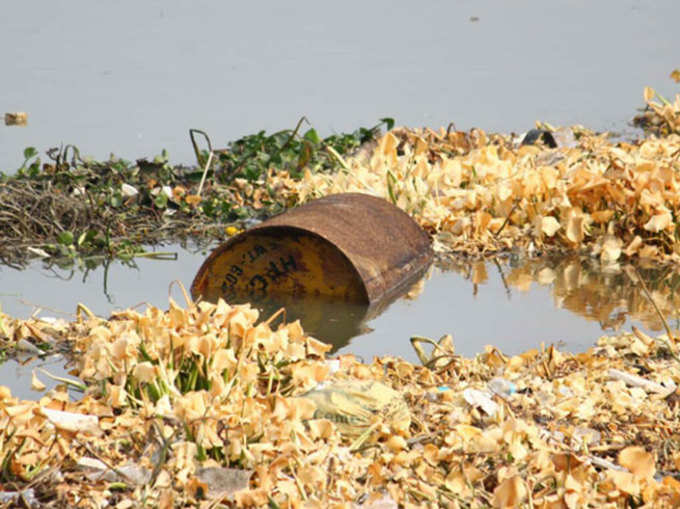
481 194
660 117
178 400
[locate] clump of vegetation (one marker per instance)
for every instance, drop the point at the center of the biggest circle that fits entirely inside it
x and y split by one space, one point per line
479 194
252 156
72 208
661 116
206 405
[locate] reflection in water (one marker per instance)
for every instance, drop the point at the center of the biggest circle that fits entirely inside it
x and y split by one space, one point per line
458 298
16 373
332 321
608 295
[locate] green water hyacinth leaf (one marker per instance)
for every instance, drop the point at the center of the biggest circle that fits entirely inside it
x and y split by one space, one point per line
65 238
312 136
161 201
388 121
30 152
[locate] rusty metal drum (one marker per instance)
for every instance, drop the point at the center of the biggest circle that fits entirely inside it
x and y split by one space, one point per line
351 247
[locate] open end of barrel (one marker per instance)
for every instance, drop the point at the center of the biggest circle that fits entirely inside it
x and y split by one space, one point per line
279 260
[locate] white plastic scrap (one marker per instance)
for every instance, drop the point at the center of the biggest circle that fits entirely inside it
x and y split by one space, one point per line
38 252
502 387
12 497
638 381
98 470
224 482
333 365
481 399
70 421
24 345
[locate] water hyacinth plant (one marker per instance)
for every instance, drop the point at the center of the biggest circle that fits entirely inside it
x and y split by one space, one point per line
70 207
177 398
205 365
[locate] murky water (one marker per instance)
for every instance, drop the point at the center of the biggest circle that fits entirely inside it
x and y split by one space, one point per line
54 291
17 375
512 304
132 78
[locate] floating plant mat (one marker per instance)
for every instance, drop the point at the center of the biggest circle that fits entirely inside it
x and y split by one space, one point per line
474 192
208 403
72 207
479 193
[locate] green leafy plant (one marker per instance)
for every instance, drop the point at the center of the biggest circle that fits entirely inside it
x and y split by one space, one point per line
251 156
71 207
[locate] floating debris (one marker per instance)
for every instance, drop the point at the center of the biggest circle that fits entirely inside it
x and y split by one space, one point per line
18 118
348 247
660 117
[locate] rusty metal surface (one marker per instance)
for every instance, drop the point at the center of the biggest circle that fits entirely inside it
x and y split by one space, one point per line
351 246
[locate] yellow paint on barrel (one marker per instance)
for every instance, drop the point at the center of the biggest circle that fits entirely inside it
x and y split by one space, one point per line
272 262
353 247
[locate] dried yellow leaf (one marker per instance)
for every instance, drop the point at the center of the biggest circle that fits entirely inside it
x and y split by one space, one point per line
633 246
36 384
467 432
320 428
577 222
659 222
144 372
611 249
649 94
624 481
549 225
602 216
638 461
251 497
396 443
510 493
5 392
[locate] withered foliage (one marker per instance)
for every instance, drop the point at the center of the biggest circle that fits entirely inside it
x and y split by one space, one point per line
175 394
480 194
178 399
660 117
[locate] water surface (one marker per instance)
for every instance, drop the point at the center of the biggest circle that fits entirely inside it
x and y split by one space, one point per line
509 303
132 77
